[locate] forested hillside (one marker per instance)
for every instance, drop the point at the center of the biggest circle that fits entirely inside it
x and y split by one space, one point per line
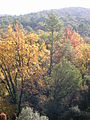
78 18
45 65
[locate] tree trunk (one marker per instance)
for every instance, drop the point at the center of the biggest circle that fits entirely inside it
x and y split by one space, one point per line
20 98
51 54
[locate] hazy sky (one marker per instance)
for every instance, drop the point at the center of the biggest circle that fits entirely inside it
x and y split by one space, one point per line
17 7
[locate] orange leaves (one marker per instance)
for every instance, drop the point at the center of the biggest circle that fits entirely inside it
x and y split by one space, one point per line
75 40
73 48
43 46
73 36
10 28
81 49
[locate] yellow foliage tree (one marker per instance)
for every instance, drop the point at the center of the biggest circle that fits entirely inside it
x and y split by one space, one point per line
82 62
21 58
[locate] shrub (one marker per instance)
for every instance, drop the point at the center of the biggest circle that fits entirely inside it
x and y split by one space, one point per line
66 83
28 114
76 115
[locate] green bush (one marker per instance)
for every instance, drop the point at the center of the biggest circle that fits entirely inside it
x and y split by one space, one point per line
76 115
66 82
28 114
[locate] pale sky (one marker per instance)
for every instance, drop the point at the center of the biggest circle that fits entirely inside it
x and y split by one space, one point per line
17 7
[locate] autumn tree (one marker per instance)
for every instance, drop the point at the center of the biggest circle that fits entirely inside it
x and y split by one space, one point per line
81 50
21 58
71 47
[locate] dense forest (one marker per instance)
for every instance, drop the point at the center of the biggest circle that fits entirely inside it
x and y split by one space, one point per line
45 65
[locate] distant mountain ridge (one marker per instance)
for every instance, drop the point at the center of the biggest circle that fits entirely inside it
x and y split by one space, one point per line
77 17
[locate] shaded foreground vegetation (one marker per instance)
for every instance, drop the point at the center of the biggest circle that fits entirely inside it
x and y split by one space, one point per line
48 72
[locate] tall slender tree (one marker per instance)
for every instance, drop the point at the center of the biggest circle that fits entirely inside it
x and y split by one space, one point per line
53 24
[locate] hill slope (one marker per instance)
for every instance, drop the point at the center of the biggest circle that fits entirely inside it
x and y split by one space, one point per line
78 18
